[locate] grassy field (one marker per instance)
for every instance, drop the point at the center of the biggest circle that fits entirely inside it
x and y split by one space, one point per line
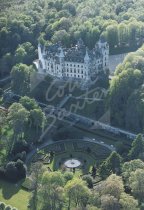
13 195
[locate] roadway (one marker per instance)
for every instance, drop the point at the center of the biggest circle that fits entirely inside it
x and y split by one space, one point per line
73 117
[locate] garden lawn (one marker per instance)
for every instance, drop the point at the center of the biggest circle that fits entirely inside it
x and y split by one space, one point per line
13 195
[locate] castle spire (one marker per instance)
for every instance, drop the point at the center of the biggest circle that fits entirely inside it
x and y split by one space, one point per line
61 55
86 58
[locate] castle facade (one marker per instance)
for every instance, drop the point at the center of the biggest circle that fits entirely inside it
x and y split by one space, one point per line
77 62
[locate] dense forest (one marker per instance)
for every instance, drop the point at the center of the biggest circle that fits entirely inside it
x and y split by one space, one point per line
126 96
112 183
24 23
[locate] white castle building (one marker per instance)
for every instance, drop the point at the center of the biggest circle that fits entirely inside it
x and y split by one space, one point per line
76 62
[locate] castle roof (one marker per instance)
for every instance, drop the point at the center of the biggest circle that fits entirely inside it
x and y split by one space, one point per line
78 53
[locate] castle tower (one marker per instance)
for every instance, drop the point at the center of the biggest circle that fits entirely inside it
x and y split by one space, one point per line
61 54
86 61
104 47
61 60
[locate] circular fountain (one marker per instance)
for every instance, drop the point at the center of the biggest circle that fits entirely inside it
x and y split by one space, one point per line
72 163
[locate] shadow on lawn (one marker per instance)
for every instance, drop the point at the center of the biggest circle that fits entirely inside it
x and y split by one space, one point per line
9 189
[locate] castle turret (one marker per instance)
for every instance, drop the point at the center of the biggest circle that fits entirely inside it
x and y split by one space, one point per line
41 58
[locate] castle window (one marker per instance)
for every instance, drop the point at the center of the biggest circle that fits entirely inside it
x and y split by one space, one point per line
78 65
78 75
82 71
74 70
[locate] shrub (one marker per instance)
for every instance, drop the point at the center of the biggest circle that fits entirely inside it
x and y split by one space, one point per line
15 171
21 169
8 208
2 206
11 171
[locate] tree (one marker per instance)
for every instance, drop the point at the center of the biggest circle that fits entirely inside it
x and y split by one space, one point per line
125 93
137 149
136 182
131 166
38 118
111 165
61 36
51 193
112 35
68 176
6 63
78 193
20 75
20 54
70 7
127 202
15 171
88 180
123 34
25 53
94 170
28 103
18 117
36 172
109 203
113 186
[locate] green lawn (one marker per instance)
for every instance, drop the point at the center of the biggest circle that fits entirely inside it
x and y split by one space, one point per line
78 155
13 195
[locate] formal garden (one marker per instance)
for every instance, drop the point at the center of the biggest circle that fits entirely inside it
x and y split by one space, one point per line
57 154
